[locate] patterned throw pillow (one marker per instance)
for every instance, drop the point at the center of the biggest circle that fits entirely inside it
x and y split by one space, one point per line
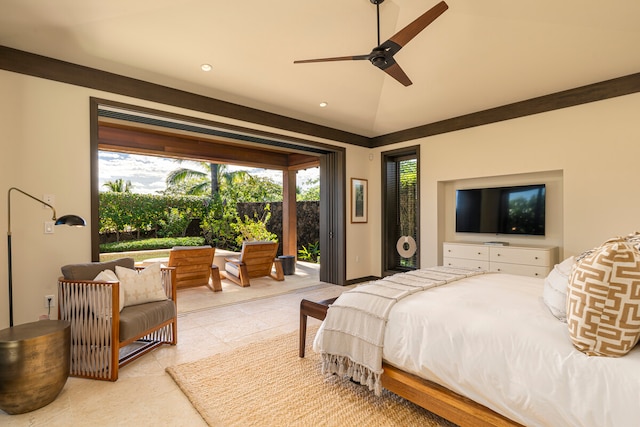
110 276
141 287
603 300
634 239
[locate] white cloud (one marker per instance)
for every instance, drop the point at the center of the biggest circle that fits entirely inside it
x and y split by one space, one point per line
148 173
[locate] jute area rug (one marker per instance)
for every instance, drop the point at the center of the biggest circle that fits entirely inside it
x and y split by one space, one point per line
267 384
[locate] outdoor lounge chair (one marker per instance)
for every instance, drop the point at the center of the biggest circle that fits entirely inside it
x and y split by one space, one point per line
194 267
257 259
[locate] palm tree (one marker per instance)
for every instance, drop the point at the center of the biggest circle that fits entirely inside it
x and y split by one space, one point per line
209 181
118 186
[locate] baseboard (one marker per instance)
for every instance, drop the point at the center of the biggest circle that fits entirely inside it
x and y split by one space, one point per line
360 280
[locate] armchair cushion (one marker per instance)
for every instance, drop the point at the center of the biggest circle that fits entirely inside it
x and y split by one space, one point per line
139 318
90 270
141 287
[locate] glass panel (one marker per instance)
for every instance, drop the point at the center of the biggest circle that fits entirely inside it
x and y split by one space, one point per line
407 212
401 217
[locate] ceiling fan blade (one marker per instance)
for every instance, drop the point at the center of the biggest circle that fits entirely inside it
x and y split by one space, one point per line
397 73
404 36
337 58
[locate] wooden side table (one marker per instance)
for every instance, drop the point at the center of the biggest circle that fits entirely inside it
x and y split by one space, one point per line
315 309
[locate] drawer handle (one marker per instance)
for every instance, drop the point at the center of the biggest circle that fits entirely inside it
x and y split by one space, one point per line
499 270
479 253
536 274
497 254
535 257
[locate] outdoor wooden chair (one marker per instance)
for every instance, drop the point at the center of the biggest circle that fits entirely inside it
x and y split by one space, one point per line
257 259
194 267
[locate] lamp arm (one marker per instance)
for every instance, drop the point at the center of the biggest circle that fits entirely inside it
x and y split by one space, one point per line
65 219
30 196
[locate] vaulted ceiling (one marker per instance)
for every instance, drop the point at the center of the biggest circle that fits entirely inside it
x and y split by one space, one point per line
478 55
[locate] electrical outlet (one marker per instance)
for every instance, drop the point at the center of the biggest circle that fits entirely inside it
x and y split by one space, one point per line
49 300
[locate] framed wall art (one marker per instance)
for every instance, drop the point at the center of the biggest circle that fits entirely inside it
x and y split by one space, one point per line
359 200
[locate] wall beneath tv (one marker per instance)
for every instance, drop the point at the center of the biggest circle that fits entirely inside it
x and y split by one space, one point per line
554 209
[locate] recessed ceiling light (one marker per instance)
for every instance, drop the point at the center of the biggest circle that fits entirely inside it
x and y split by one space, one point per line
323 104
206 67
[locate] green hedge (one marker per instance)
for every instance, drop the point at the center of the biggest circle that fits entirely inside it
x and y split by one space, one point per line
169 216
130 212
150 244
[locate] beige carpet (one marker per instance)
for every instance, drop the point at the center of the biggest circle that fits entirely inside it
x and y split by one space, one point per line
267 384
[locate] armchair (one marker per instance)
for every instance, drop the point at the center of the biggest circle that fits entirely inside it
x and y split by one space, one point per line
105 337
256 260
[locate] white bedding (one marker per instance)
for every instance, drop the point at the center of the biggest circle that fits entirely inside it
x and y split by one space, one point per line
491 338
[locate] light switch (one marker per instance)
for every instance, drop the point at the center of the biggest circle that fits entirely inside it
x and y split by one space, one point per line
50 199
48 227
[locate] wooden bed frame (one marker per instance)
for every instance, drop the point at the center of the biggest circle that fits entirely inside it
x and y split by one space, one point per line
426 394
440 400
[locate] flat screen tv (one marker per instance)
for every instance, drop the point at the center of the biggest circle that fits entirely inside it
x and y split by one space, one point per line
501 210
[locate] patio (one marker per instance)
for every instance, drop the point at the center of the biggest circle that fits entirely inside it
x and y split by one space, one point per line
306 278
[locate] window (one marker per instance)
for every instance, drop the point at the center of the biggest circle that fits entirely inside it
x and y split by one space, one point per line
401 218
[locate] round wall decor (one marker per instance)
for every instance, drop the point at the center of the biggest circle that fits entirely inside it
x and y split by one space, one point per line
406 246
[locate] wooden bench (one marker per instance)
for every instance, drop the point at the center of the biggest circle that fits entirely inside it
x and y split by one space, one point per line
315 309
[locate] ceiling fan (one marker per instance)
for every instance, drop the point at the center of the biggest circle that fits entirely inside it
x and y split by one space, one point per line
382 55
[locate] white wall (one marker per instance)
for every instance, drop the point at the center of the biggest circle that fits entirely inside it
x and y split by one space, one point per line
44 129
363 237
594 146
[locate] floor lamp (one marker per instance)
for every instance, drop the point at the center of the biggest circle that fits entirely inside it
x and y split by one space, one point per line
73 220
29 383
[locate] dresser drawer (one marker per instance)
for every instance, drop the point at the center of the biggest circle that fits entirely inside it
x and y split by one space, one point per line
535 257
474 252
520 269
465 263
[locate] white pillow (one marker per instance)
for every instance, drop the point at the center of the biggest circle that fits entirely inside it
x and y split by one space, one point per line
110 276
556 283
141 287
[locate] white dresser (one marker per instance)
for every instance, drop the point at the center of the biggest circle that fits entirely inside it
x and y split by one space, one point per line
536 261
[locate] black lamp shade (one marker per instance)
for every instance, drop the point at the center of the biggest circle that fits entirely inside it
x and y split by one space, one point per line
73 220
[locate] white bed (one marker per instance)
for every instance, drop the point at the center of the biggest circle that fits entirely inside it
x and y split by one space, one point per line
491 339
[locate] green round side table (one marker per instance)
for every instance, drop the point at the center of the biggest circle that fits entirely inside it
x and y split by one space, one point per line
34 364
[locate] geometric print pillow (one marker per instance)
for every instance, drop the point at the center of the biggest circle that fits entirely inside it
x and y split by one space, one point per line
603 300
141 287
110 276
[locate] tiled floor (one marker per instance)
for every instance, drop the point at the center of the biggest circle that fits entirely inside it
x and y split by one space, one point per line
144 394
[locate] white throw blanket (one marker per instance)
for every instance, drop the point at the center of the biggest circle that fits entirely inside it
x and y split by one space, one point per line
353 331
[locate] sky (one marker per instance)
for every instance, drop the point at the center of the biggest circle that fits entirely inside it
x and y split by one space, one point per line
148 173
